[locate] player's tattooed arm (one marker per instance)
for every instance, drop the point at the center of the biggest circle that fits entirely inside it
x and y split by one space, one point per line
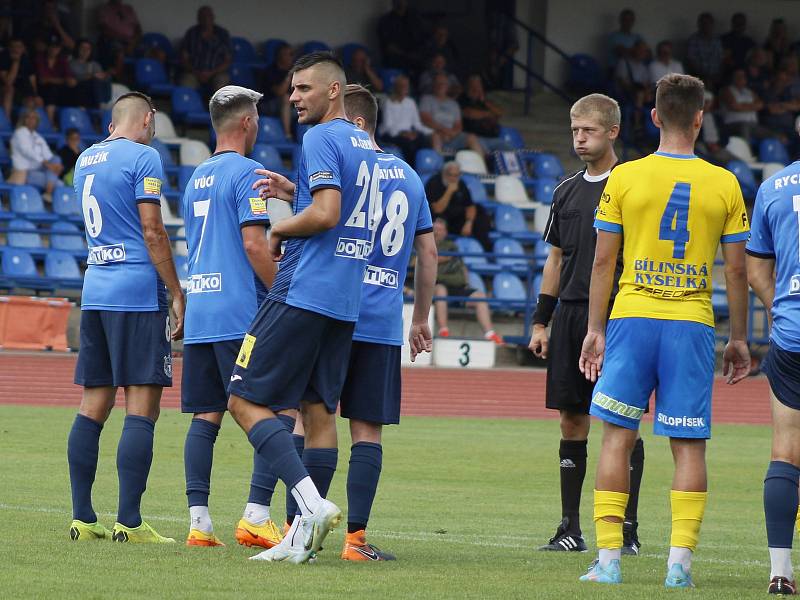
274 185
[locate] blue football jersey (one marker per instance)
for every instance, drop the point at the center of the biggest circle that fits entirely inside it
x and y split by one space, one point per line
111 179
775 233
323 273
406 214
223 291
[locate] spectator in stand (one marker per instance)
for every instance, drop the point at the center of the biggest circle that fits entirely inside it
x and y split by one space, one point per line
757 70
17 76
120 33
206 54
741 106
55 79
93 86
704 52
708 143
482 117
632 77
664 62
452 280
791 65
620 43
275 86
438 66
736 43
780 103
49 25
401 124
69 153
442 114
777 43
440 43
360 71
450 200
32 161
503 45
401 34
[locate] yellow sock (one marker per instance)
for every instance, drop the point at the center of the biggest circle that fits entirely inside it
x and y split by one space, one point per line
687 516
797 522
609 504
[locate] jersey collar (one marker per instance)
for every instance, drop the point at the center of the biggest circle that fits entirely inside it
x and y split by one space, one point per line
670 155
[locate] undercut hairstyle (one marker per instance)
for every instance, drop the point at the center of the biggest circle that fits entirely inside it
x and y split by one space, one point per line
119 112
325 58
359 102
599 107
678 100
229 103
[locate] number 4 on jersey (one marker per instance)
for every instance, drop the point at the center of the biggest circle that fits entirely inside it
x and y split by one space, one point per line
674 221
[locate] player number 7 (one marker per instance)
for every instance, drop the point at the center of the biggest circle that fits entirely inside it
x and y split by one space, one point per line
201 208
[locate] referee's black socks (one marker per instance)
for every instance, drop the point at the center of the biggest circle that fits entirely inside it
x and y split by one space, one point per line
572 456
637 469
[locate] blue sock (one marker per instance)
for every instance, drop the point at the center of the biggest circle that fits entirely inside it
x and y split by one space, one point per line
780 503
366 459
271 440
262 483
291 506
134 457
82 450
198 454
321 465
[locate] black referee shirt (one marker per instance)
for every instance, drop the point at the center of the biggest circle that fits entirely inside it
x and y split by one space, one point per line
571 228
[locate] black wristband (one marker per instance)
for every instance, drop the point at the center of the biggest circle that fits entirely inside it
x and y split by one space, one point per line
545 306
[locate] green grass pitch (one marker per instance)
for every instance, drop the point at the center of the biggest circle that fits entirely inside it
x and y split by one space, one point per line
463 503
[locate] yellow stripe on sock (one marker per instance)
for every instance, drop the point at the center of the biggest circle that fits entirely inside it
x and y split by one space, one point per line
687 516
609 504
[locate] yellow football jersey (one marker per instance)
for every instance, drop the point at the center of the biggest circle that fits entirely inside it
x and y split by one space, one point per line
673 211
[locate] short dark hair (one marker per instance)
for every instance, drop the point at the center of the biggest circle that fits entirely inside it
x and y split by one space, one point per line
678 99
359 102
315 58
71 130
140 95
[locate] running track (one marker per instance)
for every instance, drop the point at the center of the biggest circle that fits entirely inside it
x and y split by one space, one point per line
45 379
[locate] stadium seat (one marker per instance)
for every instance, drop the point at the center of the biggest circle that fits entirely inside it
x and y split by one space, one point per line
18 266
300 131
25 236
181 249
476 190
5 157
151 76
185 173
745 177
170 220
508 288
46 128
547 165
6 129
740 148
79 119
509 221
512 137
166 156
270 131
66 236
512 247
543 189
509 190
315 46
188 107
540 252
428 161
270 48
65 204
105 120
182 267
479 264
536 286
165 129
154 40
245 53
475 281
346 52
388 76
63 268
392 149
770 169
242 74
268 156
193 152
770 150
26 201
471 162
117 90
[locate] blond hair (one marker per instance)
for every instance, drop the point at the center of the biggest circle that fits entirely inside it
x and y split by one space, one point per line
599 107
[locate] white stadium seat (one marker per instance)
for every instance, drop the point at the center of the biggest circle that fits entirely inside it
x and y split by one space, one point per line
770 169
170 220
471 162
510 190
740 149
180 245
193 152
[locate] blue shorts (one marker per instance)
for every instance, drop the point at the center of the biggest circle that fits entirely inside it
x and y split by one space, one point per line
291 355
372 389
782 369
124 348
673 358
207 371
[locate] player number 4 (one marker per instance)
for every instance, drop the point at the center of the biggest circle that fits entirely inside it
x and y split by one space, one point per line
674 221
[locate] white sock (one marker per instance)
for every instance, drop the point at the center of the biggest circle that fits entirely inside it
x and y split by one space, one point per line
200 519
294 535
680 555
606 555
781 561
488 334
257 514
307 497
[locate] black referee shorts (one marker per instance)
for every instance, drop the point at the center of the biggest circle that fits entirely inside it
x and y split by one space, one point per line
567 388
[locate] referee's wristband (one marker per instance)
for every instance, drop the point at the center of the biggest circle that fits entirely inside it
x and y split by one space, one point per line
545 306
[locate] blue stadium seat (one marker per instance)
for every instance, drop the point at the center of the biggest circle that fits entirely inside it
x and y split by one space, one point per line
477 190
270 131
19 266
428 161
62 269
536 286
154 40
45 124
79 119
509 221
719 302
105 121
65 204
388 76
26 201
5 157
244 52
66 236
242 74
392 149
478 264
547 165
475 281
315 46
744 175
543 190
170 168
540 252
771 150
6 129
508 288
346 52
25 236
188 107
268 156
300 131
270 48
182 267
185 173
151 76
585 73
510 246
512 136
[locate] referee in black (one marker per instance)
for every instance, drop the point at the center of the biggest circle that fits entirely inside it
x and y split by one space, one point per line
595 122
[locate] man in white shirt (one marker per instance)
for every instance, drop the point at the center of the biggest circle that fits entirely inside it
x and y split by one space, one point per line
401 124
32 161
664 62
